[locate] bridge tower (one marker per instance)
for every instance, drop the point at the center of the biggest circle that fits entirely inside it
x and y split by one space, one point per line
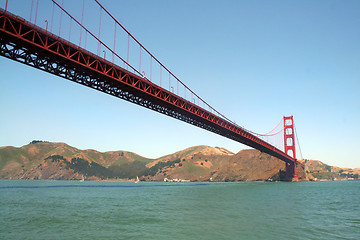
289 142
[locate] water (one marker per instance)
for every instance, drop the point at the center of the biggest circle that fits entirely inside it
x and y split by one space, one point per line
120 210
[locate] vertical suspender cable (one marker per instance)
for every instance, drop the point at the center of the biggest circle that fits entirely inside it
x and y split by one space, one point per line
85 38
113 55
82 20
160 76
52 17
36 10
140 61
61 13
169 81
99 45
32 3
151 68
298 142
70 29
127 59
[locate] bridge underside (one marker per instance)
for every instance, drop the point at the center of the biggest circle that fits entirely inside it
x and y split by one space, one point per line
30 45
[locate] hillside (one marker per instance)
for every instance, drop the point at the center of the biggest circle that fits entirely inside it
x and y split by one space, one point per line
316 170
194 163
46 160
204 163
253 165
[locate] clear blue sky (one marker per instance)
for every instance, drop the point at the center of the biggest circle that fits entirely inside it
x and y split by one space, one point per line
254 61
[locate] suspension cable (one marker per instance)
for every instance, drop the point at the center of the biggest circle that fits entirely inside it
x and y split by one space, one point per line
273 133
298 142
267 134
274 128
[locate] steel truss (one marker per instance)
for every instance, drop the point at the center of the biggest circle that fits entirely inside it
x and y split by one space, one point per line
26 43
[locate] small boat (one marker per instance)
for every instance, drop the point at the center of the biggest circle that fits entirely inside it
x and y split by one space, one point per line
82 179
137 179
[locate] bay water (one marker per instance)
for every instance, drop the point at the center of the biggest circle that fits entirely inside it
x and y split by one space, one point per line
155 210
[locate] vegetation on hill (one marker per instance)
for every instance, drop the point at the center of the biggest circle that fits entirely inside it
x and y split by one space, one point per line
86 168
160 165
38 141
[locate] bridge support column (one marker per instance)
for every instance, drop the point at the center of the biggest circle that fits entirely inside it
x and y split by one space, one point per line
289 142
291 172
289 136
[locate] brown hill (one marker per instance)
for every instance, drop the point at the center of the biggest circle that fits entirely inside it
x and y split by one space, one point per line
194 163
189 153
253 165
317 170
204 163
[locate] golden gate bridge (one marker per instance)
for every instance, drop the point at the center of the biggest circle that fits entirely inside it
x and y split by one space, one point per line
105 56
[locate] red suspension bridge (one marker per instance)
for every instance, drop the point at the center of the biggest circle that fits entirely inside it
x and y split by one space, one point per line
105 56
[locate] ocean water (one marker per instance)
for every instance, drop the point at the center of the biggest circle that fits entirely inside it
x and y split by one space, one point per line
152 210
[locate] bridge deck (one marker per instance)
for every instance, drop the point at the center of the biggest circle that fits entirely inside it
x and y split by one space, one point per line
34 46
